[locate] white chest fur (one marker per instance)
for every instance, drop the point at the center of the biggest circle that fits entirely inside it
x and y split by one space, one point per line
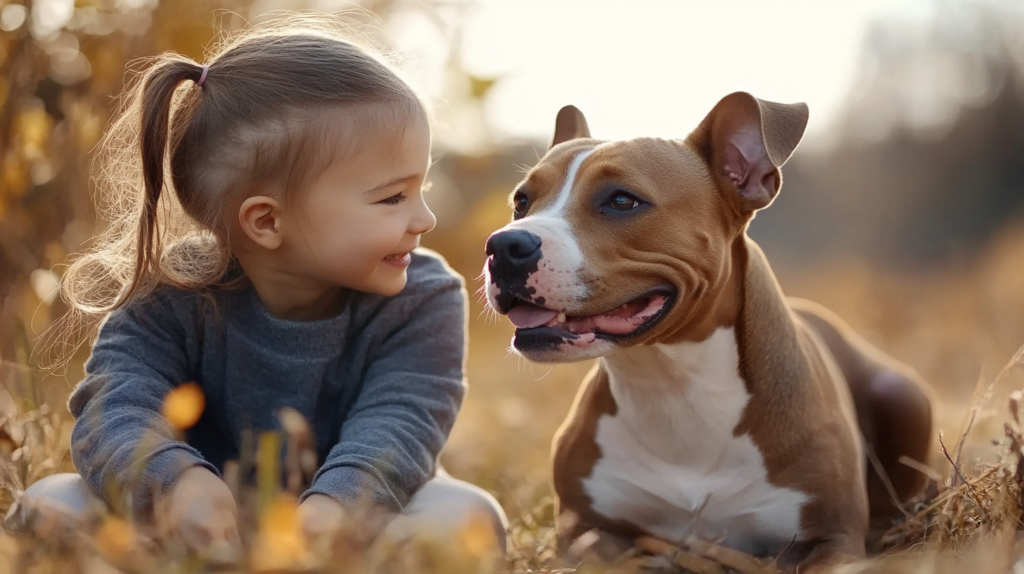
670 450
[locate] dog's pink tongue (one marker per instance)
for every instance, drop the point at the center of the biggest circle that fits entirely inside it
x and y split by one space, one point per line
527 316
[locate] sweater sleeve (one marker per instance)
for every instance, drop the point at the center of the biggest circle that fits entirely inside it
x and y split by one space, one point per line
120 443
412 391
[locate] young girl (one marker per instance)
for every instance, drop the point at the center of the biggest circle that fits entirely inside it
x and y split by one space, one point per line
267 251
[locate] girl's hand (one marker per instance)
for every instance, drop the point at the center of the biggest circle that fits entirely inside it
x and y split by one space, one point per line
322 518
200 511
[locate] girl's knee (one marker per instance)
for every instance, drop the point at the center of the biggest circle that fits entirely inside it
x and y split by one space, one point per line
58 499
462 503
478 509
446 506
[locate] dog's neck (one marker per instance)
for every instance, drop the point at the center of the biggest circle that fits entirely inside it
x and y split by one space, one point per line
686 389
746 335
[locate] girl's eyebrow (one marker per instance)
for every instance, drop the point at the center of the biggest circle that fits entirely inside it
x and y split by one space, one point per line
392 182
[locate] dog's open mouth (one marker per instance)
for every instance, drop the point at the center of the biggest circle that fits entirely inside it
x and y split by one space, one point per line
626 320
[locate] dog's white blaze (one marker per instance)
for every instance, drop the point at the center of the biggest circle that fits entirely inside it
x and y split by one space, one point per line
670 449
570 180
557 279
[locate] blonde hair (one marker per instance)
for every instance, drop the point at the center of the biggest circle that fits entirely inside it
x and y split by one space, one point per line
280 102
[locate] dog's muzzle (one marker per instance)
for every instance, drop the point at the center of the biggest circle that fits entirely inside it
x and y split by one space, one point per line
512 256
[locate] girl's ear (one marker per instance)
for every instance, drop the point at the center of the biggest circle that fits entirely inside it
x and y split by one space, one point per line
260 218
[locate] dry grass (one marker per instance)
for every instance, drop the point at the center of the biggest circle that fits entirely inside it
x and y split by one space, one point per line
951 326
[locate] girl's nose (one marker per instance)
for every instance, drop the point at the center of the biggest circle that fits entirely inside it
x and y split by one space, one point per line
423 220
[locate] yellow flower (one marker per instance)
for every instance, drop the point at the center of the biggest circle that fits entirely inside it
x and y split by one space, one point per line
478 536
281 544
184 405
115 538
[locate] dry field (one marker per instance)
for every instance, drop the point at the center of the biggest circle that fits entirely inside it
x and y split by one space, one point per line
961 328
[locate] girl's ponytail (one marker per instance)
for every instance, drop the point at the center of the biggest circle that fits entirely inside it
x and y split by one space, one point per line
124 264
155 98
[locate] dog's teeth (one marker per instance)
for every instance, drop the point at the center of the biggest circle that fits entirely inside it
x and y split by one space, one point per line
561 317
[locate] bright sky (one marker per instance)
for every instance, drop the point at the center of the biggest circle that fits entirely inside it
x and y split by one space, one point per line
635 67
654 67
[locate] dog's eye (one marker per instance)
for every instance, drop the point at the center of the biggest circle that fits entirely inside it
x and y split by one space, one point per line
520 203
623 201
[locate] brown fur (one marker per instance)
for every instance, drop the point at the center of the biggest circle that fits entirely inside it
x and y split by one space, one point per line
815 386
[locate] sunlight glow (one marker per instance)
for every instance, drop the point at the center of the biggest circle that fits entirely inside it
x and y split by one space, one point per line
650 67
655 68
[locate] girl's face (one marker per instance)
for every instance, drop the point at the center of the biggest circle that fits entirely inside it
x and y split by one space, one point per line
355 226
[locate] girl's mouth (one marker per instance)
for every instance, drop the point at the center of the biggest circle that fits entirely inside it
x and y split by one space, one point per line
399 259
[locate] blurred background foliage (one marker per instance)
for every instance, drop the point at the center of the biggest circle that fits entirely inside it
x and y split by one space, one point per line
906 219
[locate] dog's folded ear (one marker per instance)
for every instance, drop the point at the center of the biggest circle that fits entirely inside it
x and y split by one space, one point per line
569 125
746 141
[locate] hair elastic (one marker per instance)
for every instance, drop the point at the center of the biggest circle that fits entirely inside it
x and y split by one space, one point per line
202 78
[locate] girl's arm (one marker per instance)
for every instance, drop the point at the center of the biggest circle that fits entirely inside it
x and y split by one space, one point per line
412 392
120 440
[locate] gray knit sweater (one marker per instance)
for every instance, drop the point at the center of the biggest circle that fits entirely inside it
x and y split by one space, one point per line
381 384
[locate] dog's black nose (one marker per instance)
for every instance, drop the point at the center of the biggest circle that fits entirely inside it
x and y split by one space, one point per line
513 256
515 246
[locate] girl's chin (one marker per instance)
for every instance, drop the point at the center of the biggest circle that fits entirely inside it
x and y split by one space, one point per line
390 286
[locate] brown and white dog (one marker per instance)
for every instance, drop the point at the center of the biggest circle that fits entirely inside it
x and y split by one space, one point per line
719 407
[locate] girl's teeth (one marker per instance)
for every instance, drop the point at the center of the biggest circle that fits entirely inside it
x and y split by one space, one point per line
561 317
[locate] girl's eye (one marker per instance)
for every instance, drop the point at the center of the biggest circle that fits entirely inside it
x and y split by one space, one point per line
394 199
520 203
622 201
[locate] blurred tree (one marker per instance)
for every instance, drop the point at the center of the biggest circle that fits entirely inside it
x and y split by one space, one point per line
926 167
62 64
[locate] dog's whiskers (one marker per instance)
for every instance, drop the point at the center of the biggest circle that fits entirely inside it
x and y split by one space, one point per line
545 375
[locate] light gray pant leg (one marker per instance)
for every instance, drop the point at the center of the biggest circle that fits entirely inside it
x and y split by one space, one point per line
444 507
63 497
